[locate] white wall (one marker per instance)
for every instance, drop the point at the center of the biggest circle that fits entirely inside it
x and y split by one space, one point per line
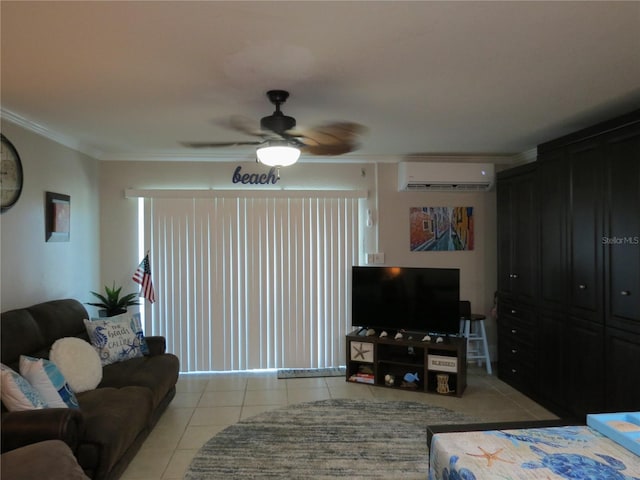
33 270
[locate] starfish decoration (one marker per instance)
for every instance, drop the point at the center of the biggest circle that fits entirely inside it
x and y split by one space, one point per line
491 457
360 351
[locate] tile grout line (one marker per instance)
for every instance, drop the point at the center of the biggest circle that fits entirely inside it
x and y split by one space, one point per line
184 432
244 398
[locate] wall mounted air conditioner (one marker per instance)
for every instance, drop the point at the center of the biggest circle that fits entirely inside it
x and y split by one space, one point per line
443 176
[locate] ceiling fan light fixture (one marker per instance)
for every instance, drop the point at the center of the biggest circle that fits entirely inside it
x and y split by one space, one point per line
278 154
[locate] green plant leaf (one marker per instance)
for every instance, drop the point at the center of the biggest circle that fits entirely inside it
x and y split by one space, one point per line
112 302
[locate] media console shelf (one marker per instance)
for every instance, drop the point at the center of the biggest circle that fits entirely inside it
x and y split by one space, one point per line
440 367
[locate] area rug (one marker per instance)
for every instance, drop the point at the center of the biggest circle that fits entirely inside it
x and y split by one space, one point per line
327 439
312 372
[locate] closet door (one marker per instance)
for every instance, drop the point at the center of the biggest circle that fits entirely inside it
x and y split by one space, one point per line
525 268
584 367
505 209
585 220
517 233
553 188
551 358
622 235
622 351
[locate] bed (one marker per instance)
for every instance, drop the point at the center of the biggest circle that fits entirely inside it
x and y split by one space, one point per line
528 451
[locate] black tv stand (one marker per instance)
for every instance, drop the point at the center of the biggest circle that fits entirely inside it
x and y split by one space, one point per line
440 367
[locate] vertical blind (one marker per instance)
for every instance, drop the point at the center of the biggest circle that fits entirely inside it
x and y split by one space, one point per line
253 283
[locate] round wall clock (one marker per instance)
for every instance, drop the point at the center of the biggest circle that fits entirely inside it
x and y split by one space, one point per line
10 174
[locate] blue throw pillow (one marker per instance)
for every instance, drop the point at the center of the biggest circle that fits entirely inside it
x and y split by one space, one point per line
117 338
17 393
47 379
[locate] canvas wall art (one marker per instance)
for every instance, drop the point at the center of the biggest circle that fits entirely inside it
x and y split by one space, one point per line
441 228
57 217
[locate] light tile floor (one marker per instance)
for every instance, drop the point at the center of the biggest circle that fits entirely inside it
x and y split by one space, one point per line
205 404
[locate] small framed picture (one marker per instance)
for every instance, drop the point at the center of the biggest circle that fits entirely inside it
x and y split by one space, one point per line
57 217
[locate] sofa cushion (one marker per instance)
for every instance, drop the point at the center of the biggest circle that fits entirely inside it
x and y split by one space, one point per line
17 393
114 417
46 378
50 459
58 319
21 335
78 362
32 330
116 338
159 373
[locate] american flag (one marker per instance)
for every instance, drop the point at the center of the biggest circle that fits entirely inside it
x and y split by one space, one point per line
143 277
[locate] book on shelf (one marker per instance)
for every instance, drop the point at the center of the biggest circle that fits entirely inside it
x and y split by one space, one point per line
362 378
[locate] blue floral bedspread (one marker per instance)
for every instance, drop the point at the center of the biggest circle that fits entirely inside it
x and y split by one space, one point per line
576 453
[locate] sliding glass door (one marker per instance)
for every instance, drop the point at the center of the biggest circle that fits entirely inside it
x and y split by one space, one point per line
253 282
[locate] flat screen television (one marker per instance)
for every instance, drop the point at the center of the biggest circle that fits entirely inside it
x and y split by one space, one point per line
406 298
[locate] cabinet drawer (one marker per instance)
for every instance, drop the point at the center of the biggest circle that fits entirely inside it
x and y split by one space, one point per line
361 352
514 351
510 313
517 324
521 375
516 333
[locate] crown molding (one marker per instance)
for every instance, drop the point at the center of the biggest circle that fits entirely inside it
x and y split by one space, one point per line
527 156
498 159
46 132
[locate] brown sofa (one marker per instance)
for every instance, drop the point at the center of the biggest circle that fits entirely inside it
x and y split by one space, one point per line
114 419
50 460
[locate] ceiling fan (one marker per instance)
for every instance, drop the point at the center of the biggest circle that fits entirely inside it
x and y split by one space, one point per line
279 141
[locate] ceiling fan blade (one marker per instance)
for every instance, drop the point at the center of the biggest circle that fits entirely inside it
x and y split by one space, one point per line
216 144
329 150
330 133
334 138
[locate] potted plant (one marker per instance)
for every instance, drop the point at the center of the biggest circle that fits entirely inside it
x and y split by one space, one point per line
111 303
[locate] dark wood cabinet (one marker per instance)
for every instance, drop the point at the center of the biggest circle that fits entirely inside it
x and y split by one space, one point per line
517 233
584 367
585 229
505 230
552 368
584 316
517 348
622 230
622 386
553 178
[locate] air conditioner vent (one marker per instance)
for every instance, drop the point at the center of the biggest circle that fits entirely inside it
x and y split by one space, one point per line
448 187
445 177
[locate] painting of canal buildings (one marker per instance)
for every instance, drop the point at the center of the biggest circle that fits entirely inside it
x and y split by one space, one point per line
441 228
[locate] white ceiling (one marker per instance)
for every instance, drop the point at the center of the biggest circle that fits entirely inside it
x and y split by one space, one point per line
130 80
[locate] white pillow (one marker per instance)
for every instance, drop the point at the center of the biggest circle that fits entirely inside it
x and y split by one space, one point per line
47 379
116 338
78 362
17 393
